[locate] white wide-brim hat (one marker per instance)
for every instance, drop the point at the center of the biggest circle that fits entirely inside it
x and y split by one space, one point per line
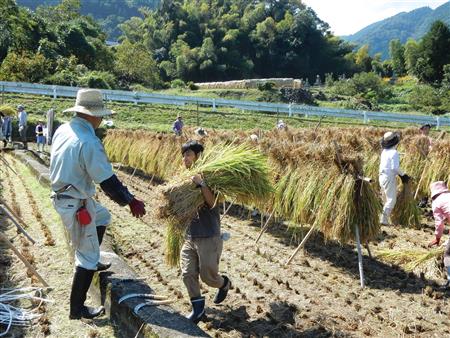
90 102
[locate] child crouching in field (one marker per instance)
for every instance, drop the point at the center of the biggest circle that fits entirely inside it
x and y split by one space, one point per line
201 251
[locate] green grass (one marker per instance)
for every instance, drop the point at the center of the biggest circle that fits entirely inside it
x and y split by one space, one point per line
160 117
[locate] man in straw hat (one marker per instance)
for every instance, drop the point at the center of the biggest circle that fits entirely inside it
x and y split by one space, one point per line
440 196
389 169
78 162
202 248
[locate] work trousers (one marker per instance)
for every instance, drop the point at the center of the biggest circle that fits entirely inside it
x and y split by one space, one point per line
388 184
83 239
201 257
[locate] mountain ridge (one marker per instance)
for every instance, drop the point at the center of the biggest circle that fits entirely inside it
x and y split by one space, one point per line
402 26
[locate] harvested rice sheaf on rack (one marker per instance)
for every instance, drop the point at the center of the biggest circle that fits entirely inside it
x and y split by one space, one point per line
236 172
310 187
436 167
406 212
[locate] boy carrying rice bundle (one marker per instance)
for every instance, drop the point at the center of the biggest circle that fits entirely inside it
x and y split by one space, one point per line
190 207
202 248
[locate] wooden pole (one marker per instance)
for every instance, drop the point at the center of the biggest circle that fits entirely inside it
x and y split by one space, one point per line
264 228
302 243
22 230
23 259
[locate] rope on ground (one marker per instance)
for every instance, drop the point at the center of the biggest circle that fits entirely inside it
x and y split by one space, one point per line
15 316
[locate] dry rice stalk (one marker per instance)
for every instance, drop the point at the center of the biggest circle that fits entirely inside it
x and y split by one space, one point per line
406 211
411 259
232 171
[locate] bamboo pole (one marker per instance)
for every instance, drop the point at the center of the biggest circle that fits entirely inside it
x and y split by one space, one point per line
360 260
264 228
302 243
23 259
358 241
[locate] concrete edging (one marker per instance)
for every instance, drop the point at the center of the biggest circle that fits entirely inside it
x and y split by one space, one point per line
121 280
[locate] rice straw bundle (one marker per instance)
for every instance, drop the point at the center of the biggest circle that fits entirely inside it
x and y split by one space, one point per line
412 259
232 171
406 211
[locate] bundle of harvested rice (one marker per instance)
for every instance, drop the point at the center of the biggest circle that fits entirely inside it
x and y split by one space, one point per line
236 172
406 211
412 259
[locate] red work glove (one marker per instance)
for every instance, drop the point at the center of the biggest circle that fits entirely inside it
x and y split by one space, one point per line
137 208
434 242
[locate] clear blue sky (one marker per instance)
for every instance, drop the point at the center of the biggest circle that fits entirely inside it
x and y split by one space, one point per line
349 16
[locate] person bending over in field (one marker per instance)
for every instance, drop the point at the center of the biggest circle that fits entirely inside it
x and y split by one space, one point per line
440 196
200 254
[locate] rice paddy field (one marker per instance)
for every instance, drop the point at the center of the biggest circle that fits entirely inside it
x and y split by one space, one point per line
317 178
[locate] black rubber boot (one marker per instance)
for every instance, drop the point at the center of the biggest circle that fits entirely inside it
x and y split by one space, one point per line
198 309
80 286
100 233
223 291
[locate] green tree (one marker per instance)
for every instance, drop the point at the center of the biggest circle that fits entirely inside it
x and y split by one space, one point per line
434 53
135 64
397 53
24 67
411 55
363 59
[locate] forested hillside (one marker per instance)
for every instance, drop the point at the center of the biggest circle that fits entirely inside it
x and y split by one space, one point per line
402 26
109 13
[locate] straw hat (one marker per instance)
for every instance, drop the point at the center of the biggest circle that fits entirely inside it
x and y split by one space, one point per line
437 188
90 102
390 139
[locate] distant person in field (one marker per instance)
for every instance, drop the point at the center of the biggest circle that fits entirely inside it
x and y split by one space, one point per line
281 125
440 196
178 126
425 131
6 129
40 139
77 163
23 126
388 171
202 248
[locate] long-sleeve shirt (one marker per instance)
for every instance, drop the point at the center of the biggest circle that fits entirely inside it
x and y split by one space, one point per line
78 159
22 119
177 126
390 162
441 212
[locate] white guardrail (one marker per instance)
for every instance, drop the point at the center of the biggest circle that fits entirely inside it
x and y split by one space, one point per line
290 109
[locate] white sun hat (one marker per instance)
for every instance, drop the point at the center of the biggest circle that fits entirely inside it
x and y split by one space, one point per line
90 102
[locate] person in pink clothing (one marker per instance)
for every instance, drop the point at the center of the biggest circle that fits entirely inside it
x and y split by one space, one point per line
440 196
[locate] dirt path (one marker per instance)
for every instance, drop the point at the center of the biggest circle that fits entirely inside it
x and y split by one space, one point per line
49 255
